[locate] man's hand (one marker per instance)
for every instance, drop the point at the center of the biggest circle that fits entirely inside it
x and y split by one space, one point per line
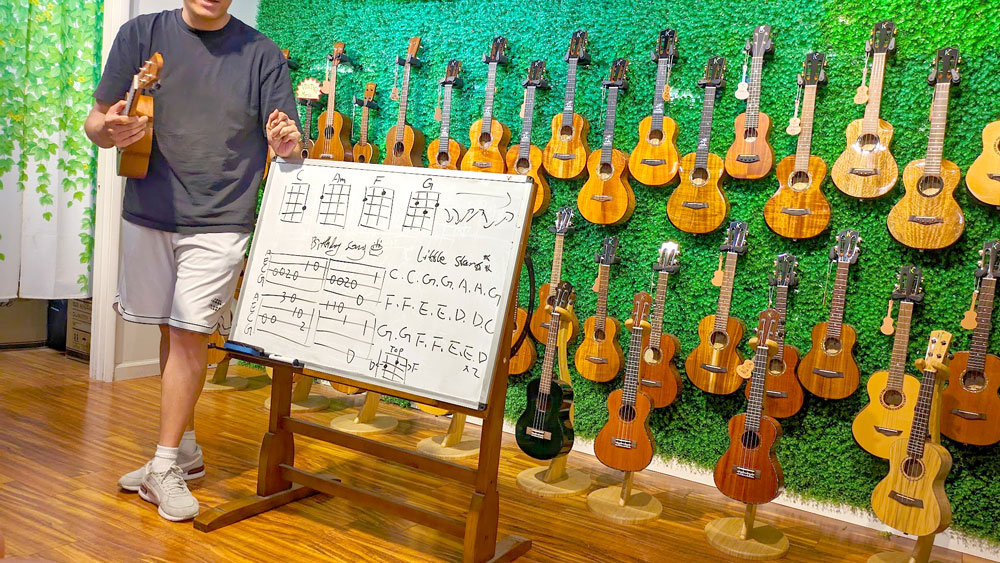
122 130
282 134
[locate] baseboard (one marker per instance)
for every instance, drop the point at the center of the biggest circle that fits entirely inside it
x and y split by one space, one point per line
133 370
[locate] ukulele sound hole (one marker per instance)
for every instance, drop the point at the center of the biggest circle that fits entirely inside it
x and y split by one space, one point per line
750 440
522 166
443 159
973 381
892 398
930 186
605 170
360 158
599 335
913 468
566 132
655 137
750 134
485 139
832 346
398 149
868 141
776 367
799 181
626 413
328 132
652 356
699 177
719 339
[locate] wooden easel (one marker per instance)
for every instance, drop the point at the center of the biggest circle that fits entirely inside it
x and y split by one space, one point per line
555 479
742 537
367 421
620 504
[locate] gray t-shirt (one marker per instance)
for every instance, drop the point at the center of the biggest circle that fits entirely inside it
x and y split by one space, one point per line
216 90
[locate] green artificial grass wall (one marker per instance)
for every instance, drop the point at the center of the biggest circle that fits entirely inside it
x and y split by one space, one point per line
819 455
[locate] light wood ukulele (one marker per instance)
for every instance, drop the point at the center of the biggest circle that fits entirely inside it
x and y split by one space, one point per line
334 139
654 160
698 204
928 217
911 498
404 145
829 370
751 156
658 376
444 152
599 357
488 137
364 150
133 160
892 394
711 366
524 158
983 177
749 470
970 404
799 209
307 92
784 395
526 355
539 318
606 197
626 442
565 155
866 169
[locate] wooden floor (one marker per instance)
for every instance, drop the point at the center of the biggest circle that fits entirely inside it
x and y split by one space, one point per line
64 441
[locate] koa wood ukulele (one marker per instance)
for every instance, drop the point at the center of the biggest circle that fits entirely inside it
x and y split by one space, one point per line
892 394
133 160
364 150
654 159
698 205
599 357
606 197
565 155
711 366
526 354
488 138
866 169
540 317
911 498
545 430
307 92
751 156
784 395
334 139
444 152
749 470
970 404
404 145
799 209
983 177
524 158
626 442
658 376
829 370
928 217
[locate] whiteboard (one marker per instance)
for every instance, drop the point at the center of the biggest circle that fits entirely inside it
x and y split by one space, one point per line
392 275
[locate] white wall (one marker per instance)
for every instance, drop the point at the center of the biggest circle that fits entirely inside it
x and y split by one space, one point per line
244 10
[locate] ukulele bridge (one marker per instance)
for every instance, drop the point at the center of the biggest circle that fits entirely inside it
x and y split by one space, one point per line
481 164
748 158
796 211
925 220
863 172
653 161
888 431
537 433
968 415
622 443
777 394
695 205
597 360
906 500
601 198
995 177
564 156
713 369
746 472
829 373
326 156
651 383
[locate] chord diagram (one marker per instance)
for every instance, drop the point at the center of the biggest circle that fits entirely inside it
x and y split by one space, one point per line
376 210
333 204
393 366
294 271
293 206
421 211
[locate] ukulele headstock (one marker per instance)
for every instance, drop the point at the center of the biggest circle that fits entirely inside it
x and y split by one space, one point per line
908 286
578 48
784 271
883 38
666 47
989 261
715 73
563 297
411 54
451 73
937 349
946 67
498 50
847 247
607 256
736 238
667 261
536 76
564 220
767 328
641 304
761 43
149 73
338 55
369 100
813 70
616 79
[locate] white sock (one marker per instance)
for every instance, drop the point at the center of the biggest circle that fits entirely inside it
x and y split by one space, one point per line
164 458
189 445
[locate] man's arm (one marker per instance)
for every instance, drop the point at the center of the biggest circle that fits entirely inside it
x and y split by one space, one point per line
107 127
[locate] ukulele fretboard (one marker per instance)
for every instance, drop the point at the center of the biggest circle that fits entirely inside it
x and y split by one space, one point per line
981 334
705 129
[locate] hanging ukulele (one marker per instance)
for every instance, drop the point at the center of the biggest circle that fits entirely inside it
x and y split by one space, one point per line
364 150
799 209
653 161
928 217
133 160
404 145
334 140
488 138
970 406
829 370
526 159
599 357
606 197
784 395
751 156
658 377
540 317
983 177
698 205
565 155
526 354
307 92
444 152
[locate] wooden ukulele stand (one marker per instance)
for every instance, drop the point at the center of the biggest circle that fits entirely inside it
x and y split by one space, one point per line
742 537
451 444
367 421
620 504
555 479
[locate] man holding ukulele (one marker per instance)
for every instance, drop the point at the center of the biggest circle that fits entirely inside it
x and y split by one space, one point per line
225 97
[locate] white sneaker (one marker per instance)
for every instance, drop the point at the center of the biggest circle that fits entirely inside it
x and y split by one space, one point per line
192 466
169 492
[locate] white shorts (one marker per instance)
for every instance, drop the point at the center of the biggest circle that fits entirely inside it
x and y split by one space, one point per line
184 280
